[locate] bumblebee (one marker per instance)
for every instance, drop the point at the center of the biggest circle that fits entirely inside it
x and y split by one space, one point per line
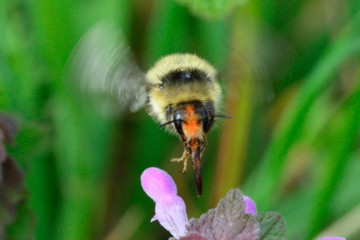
184 96
180 91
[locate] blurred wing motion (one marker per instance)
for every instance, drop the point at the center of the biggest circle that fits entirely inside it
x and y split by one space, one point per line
246 78
103 67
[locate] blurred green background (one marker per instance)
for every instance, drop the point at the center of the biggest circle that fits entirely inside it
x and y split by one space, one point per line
292 144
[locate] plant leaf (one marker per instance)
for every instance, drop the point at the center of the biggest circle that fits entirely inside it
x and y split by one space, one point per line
192 236
8 128
11 192
227 221
11 177
272 226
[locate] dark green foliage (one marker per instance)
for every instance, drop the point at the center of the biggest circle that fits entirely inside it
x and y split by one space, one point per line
297 152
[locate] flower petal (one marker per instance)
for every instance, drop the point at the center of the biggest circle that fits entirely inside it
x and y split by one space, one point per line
157 183
154 218
250 206
171 213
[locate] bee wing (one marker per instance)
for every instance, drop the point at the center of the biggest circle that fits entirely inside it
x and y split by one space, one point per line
249 72
244 75
103 67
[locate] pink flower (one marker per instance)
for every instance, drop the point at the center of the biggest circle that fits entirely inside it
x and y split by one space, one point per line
234 218
170 209
250 206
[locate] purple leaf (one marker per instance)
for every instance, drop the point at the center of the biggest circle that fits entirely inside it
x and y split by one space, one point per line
8 127
193 236
11 191
2 154
227 221
8 130
11 177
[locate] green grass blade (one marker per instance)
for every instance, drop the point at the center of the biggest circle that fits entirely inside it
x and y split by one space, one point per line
211 9
263 186
340 141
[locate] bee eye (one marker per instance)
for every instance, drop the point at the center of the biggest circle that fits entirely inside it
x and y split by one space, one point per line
178 123
161 86
207 122
206 119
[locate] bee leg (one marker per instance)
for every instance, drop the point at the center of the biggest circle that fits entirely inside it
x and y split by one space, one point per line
183 158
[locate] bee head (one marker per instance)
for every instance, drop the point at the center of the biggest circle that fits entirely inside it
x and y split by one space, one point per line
192 119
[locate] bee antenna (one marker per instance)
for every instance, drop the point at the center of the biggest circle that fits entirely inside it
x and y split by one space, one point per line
222 116
164 124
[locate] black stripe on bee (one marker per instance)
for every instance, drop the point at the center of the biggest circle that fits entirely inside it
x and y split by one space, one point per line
184 77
